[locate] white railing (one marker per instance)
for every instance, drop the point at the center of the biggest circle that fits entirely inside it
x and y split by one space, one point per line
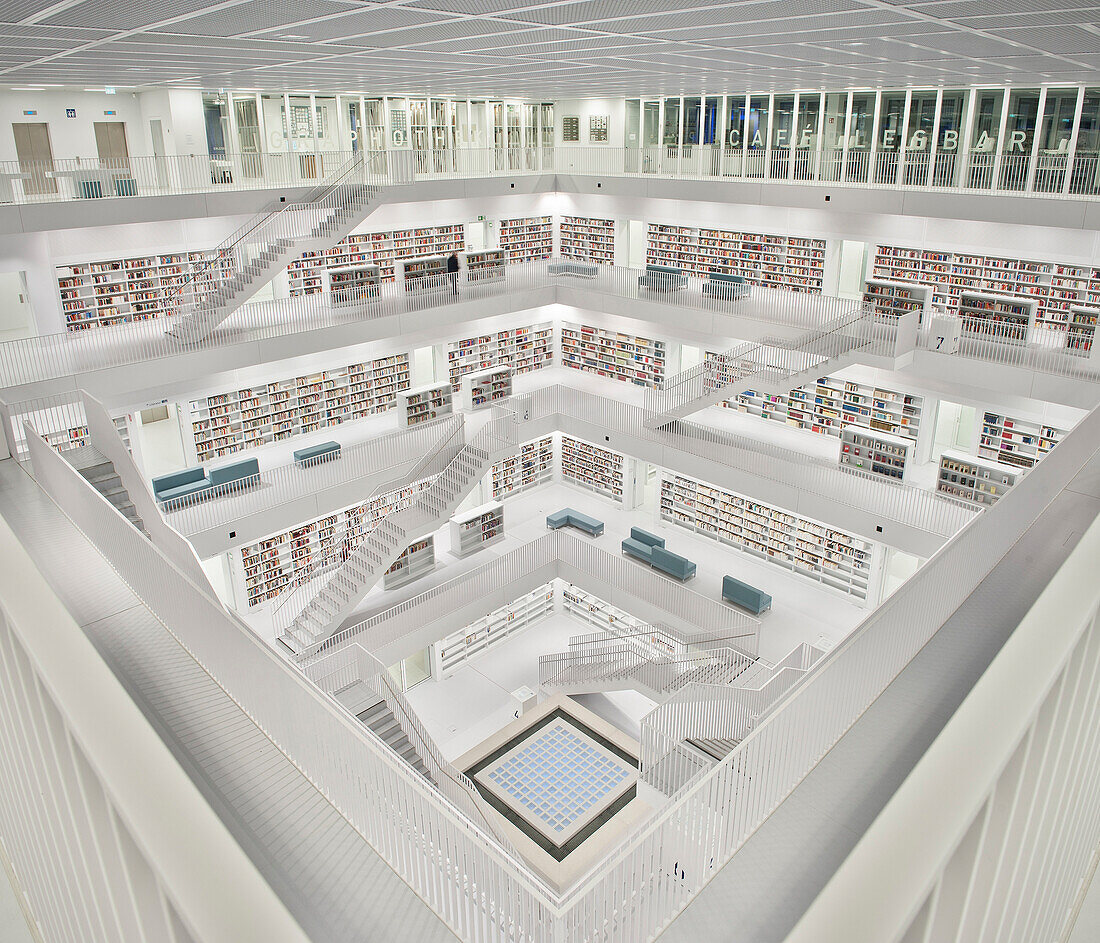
60 419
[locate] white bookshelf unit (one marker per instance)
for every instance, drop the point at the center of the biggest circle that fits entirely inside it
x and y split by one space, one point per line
484 266
416 560
626 357
1017 442
877 454
425 403
592 467
531 466
1081 329
271 563
973 480
829 556
306 274
528 239
486 388
794 263
587 239
997 316
353 283
618 623
522 348
456 649
477 528
117 291
224 423
893 299
427 273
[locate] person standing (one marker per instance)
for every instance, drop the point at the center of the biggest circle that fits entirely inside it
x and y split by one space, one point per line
452 272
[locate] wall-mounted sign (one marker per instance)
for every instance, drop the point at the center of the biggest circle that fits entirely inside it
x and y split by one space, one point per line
571 128
70 112
30 114
110 112
597 128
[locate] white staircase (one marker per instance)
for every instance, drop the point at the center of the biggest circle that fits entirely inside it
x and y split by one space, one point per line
267 244
100 473
772 365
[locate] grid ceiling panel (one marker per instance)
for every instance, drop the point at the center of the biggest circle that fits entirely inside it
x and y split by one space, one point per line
540 48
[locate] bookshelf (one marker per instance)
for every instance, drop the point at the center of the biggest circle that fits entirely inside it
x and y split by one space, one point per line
306 274
970 479
530 467
353 283
66 439
477 528
618 623
1081 329
1016 442
875 454
425 403
271 563
454 650
587 239
522 348
118 291
589 466
425 274
416 560
831 557
793 263
894 299
486 388
626 357
997 316
1056 287
485 266
227 422
122 427
528 239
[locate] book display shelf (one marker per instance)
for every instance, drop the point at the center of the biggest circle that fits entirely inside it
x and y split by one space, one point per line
970 479
893 299
67 439
117 291
618 623
455 649
1017 442
416 560
425 274
477 528
122 427
587 239
306 275
1081 329
353 283
271 563
1056 287
589 466
224 423
522 348
485 266
875 454
425 403
633 359
794 263
832 557
529 239
996 316
531 466
486 388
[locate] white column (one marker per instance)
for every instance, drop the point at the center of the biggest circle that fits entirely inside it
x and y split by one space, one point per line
998 151
1030 183
872 156
843 175
934 138
900 178
1071 154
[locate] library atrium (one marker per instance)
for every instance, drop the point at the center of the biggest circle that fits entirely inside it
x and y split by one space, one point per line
549 472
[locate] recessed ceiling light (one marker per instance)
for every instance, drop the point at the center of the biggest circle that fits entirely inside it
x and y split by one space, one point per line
293 36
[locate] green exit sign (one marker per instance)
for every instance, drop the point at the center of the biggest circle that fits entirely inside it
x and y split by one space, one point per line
481 219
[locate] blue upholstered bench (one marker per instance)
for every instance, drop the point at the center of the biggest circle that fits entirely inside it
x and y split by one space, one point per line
576 269
663 278
724 285
569 517
322 452
173 490
745 596
650 549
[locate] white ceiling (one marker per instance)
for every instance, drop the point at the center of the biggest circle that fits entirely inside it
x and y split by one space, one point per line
524 48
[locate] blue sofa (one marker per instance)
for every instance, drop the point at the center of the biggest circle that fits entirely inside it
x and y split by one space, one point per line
726 286
173 490
570 267
314 454
567 516
650 549
663 278
745 596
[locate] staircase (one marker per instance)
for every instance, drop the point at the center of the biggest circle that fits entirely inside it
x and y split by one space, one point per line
100 473
717 748
267 244
772 365
380 719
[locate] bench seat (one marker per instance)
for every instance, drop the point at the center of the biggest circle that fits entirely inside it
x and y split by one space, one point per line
663 278
724 285
576 269
569 517
747 597
172 490
650 549
321 452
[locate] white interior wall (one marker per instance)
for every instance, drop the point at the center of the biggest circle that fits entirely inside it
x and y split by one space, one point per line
72 137
584 108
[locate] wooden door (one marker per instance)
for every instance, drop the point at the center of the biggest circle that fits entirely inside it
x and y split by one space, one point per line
110 141
35 155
